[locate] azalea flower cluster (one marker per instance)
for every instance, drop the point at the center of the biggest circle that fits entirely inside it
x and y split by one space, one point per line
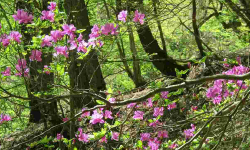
154 143
219 90
138 17
189 132
4 118
49 15
13 36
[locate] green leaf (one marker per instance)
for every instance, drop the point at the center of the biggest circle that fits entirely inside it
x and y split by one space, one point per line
139 144
100 102
80 30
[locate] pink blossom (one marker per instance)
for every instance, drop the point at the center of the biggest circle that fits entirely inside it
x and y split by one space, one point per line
164 94
108 114
79 39
59 136
56 35
22 17
6 72
103 140
145 136
4 118
100 43
150 103
82 136
138 17
46 69
94 32
158 111
15 35
115 136
189 132
153 145
82 47
6 42
173 146
109 28
46 41
0 25
163 134
155 123
48 15
69 29
73 45
86 114
138 115
194 108
96 118
65 119
36 55
131 105
122 15
21 66
112 100
61 50
52 6
172 106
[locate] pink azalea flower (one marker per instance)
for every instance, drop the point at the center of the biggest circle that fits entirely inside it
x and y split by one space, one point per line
115 136
189 132
73 45
112 100
61 50
52 6
153 145
109 28
194 108
56 35
150 102
82 47
122 15
103 140
189 65
172 106
158 111
20 67
5 42
48 15
6 72
59 136
46 69
36 55
100 43
4 118
138 17
108 114
163 134
69 29
82 136
22 17
138 115
164 94
155 123
86 114
0 25
96 118
65 119
94 32
145 136
173 146
46 41
131 105
15 35
79 39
